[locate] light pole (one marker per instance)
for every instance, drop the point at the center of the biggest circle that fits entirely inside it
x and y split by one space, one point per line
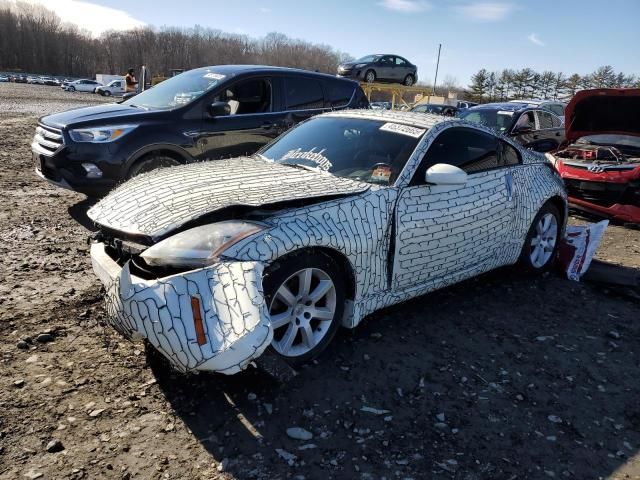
437 66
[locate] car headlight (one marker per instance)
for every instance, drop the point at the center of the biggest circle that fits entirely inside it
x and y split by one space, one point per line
199 246
100 134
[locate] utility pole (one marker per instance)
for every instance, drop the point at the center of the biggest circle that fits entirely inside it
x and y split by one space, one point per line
437 66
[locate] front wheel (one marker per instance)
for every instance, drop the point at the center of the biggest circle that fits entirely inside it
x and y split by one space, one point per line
370 76
541 245
305 296
151 163
106 93
71 89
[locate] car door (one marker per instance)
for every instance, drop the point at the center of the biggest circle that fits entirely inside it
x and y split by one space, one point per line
402 69
550 133
385 68
445 233
255 118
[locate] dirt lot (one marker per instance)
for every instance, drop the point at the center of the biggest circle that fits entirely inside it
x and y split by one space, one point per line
502 377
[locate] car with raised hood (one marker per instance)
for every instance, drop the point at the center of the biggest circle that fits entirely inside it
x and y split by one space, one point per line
380 68
347 213
204 114
600 160
528 125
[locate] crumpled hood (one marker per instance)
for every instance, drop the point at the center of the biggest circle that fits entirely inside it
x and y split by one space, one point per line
160 201
603 111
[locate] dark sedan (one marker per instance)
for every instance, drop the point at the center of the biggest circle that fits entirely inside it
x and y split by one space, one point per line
530 126
380 68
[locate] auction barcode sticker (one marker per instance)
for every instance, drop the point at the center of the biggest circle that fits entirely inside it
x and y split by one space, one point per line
403 129
214 76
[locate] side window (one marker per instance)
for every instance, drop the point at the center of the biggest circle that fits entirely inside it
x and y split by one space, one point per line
401 62
303 93
555 121
248 96
386 61
510 156
557 109
544 119
420 109
466 148
339 93
526 120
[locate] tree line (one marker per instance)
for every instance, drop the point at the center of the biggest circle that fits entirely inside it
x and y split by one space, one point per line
526 83
33 39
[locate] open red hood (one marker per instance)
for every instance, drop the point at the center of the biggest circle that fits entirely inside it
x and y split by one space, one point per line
603 111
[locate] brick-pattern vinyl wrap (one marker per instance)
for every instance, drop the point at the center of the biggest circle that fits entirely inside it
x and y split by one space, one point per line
399 241
155 203
236 323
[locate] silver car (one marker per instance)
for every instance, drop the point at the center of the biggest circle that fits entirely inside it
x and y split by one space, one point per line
380 68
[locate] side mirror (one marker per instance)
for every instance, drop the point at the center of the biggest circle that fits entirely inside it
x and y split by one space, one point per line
445 174
219 109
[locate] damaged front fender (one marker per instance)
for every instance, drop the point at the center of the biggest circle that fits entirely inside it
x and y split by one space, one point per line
229 330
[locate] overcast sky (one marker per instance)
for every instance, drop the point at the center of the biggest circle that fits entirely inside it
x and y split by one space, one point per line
561 35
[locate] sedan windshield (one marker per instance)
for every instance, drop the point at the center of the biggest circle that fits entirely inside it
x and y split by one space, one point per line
177 91
370 151
497 120
368 59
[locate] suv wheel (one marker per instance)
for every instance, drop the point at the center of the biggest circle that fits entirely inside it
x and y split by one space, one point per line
541 245
305 297
408 80
151 163
370 76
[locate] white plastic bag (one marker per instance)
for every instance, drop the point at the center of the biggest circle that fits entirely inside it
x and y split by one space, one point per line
578 247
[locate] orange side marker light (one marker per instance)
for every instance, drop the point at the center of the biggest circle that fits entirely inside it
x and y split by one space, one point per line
197 321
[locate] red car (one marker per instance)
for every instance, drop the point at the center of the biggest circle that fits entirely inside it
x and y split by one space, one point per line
600 159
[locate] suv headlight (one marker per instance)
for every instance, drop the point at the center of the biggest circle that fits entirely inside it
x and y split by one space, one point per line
199 246
100 134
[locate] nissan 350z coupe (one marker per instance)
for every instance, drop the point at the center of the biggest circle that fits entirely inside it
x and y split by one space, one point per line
347 213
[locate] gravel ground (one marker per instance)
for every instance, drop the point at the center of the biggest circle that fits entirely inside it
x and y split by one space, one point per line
502 377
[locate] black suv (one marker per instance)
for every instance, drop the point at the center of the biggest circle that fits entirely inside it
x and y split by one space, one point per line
206 113
528 125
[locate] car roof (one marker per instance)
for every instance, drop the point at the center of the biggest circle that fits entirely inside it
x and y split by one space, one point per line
420 120
232 70
509 106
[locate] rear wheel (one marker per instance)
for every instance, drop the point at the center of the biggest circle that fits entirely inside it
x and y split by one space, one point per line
541 245
151 163
408 80
305 296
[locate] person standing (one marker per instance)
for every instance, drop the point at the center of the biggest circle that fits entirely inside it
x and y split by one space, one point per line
130 81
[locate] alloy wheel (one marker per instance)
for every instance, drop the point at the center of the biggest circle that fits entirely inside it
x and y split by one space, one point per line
302 311
544 240
370 77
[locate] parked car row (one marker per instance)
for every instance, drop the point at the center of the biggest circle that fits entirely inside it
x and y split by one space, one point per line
316 211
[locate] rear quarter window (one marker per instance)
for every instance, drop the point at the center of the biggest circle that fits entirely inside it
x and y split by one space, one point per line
303 93
339 93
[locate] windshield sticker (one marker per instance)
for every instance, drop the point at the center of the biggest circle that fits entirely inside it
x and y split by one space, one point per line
311 155
504 112
214 76
403 129
382 174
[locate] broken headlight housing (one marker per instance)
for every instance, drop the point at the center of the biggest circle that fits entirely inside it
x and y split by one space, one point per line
199 246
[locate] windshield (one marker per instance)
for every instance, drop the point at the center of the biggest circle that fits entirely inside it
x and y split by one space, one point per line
497 120
368 59
177 91
370 151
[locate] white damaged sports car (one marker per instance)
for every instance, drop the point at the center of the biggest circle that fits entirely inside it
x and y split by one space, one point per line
345 214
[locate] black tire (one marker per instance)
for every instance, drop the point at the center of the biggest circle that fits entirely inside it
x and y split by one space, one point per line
283 270
152 162
526 261
409 80
370 76
106 93
72 89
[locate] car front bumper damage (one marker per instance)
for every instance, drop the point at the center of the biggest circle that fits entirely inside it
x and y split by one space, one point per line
210 319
